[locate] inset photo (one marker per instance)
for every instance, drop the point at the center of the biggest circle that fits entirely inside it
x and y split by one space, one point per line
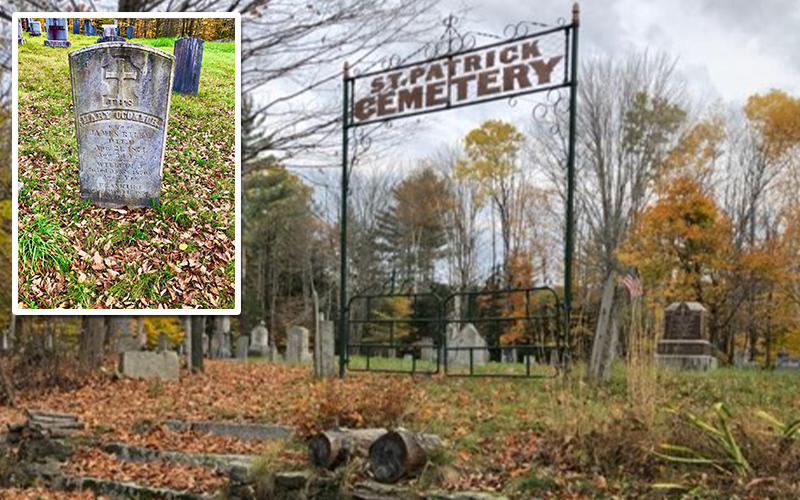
126 163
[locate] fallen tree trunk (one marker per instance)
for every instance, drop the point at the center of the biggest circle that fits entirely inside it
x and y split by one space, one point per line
329 449
399 453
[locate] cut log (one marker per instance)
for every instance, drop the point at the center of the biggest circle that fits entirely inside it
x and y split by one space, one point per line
332 448
400 453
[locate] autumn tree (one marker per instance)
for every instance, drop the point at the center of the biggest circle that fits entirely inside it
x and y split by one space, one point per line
412 228
492 152
625 133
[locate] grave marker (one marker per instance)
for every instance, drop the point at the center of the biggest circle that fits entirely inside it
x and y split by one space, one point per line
87 27
56 32
188 61
685 344
130 32
76 26
461 342
259 340
36 28
242 346
121 97
20 39
297 345
109 35
326 365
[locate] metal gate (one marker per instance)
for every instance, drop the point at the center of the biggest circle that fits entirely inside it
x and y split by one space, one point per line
381 330
489 333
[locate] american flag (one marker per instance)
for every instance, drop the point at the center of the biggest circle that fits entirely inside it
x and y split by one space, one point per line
634 284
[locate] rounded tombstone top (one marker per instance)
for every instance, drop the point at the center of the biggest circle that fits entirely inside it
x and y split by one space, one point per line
689 306
259 335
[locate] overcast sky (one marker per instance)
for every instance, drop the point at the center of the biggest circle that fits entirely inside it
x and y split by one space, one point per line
726 49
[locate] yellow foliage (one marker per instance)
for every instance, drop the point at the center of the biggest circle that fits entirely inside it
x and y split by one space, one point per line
776 115
171 325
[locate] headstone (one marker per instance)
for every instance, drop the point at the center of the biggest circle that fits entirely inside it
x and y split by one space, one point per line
784 362
109 35
36 28
685 344
130 32
20 39
327 351
241 347
188 60
149 365
274 355
117 28
427 349
127 343
87 27
93 30
76 26
467 337
509 355
163 342
26 24
297 345
259 340
56 32
121 96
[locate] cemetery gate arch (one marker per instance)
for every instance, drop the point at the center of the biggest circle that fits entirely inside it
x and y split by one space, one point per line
530 58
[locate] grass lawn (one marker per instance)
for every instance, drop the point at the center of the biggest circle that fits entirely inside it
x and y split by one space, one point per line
177 255
558 438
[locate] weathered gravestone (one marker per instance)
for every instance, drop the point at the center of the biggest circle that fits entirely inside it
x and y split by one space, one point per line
5 341
87 27
784 362
121 96
130 32
20 39
117 28
188 60
427 349
259 340
685 344
36 28
241 347
325 351
76 26
147 365
163 342
466 347
56 32
297 345
109 35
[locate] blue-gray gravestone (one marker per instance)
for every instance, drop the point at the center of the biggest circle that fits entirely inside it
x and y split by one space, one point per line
28 22
117 29
76 26
56 32
36 28
20 39
121 97
87 27
188 60
130 32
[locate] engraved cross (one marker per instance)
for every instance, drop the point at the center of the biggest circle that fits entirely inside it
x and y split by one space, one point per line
120 75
